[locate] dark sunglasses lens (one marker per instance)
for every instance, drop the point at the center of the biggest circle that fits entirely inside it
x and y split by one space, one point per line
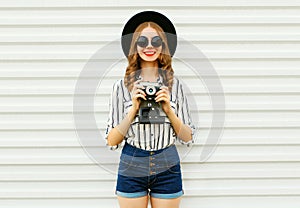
156 41
142 41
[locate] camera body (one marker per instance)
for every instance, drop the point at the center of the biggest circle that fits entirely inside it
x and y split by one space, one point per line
151 111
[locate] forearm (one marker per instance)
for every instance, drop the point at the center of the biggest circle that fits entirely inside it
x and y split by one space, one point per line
183 131
116 135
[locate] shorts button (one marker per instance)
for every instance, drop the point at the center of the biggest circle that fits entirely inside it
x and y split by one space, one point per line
152 164
151 153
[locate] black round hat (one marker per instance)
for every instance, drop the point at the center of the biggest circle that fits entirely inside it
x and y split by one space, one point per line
146 16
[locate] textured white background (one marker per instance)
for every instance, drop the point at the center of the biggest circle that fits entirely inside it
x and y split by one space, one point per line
253 45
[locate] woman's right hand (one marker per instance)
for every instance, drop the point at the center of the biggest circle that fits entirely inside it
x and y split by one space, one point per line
137 93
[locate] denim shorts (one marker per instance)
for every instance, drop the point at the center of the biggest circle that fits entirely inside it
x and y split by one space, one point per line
142 172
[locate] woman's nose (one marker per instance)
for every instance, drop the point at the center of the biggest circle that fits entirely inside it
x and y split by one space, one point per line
149 43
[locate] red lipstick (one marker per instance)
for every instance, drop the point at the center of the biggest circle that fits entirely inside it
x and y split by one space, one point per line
149 53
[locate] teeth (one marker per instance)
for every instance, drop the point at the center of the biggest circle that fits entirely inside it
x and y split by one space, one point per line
149 52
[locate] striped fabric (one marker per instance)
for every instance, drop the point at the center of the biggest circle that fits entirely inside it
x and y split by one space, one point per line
148 136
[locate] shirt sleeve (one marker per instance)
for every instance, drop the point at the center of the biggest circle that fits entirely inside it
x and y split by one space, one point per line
184 114
115 111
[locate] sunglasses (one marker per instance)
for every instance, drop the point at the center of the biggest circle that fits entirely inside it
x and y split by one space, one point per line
143 42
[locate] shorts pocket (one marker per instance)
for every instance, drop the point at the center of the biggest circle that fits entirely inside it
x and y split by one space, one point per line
175 169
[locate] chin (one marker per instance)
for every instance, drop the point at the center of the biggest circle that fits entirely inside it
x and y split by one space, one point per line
150 59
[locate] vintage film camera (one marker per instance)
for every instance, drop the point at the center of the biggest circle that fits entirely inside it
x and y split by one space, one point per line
151 111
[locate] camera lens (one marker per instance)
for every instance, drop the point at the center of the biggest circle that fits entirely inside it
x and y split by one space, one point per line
150 90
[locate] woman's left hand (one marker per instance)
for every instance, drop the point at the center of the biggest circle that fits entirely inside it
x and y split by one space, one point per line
163 96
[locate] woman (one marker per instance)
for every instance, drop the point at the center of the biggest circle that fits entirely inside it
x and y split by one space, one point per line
149 163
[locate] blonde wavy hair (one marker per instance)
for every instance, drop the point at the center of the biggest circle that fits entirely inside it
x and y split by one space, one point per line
164 59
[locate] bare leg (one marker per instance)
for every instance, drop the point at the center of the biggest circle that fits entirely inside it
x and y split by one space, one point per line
165 203
140 202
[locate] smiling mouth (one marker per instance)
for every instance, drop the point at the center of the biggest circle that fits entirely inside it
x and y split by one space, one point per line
149 53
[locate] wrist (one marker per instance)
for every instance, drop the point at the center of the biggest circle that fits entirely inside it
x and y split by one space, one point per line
131 114
169 112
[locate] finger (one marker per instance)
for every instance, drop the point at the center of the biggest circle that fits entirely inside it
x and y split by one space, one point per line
161 97
164 87
136 90
162 91
163 94
137 86
139 91
140 96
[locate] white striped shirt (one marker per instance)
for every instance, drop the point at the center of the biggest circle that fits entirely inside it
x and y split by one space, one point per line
151 136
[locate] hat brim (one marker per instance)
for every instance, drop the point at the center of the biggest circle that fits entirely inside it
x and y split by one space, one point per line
146 16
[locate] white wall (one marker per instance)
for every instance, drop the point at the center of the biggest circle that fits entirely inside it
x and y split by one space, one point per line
254 47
